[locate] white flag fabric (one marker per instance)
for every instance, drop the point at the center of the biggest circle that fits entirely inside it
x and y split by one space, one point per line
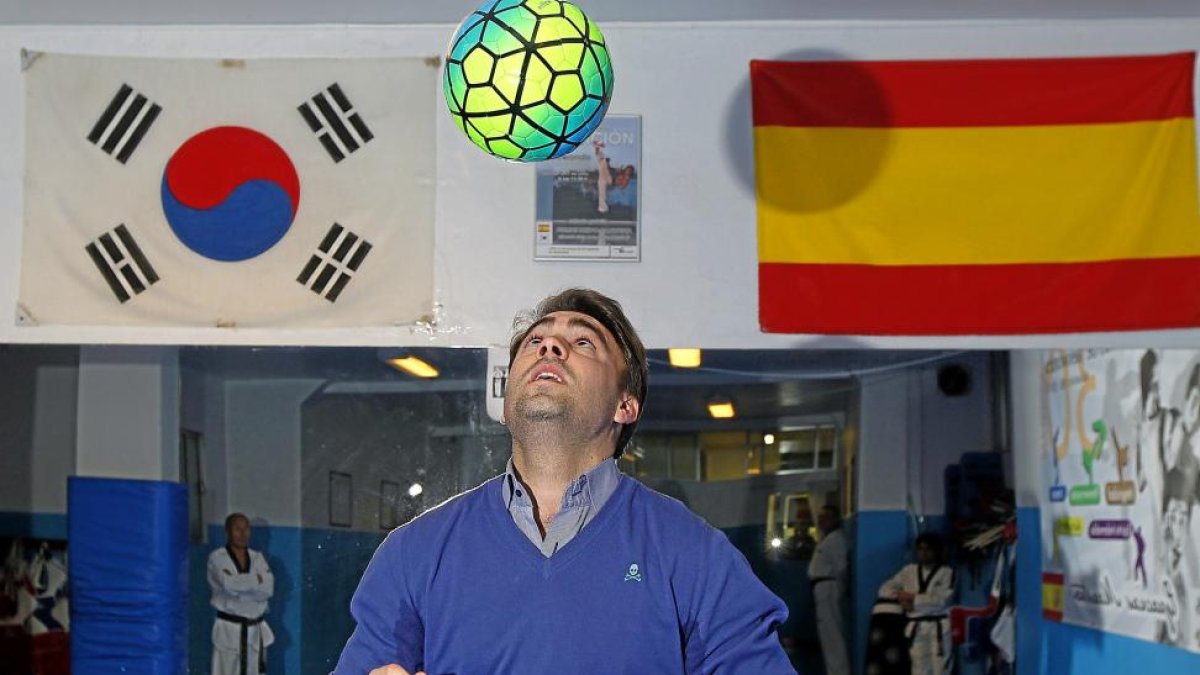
259 193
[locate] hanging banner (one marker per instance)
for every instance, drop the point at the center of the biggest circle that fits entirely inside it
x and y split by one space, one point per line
233 193
1119 506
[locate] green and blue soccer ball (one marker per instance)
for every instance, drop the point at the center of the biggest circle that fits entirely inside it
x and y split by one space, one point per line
528 80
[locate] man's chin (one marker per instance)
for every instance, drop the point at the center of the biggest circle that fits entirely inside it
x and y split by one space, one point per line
540 408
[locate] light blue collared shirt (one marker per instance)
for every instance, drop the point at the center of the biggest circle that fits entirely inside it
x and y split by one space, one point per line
581 502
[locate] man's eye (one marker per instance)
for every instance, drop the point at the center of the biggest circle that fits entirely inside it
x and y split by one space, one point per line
584 342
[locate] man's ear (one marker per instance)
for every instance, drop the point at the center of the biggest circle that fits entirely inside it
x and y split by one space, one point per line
628 410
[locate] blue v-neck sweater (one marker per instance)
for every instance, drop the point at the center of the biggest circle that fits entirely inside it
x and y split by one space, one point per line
647 587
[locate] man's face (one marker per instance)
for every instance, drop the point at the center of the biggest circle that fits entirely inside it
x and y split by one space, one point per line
1152 406
239 533
568 367
825 521
925 554
1191 409
1175 527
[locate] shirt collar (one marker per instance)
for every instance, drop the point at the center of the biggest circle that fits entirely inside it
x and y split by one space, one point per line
593 488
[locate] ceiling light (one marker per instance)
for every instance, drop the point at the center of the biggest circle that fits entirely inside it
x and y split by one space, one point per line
768 439
413 366
415 490
721 409
684 357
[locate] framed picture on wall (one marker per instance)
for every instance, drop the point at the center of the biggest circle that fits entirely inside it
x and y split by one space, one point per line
341 499
389 497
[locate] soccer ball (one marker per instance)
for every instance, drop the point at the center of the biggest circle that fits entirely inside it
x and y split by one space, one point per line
528 80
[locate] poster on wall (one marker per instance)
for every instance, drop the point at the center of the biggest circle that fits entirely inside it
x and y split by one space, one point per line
588 202
1120 521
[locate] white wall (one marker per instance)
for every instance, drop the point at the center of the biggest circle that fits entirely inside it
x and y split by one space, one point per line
1028 409
38 388
697 281
262 448
127 416
911 432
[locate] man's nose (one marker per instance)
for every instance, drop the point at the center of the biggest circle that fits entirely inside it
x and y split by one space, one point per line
552 346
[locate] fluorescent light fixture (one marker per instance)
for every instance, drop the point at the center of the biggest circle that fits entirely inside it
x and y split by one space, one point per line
684 357
776 542
415 490
721 409
768 439
413 366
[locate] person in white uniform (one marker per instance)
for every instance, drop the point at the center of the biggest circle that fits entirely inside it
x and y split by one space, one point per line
827 574
242 584
924 590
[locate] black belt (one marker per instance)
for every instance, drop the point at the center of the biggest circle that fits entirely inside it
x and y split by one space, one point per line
934 618
245 623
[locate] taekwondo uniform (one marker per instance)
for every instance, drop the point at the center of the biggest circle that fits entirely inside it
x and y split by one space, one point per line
928 628
827 574
240 634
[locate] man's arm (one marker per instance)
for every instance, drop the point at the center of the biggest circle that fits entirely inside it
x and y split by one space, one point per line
733 620
936 598
260 583
389 630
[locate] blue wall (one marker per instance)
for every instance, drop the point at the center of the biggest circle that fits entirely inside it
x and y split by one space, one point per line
334 561
1061 649
33 525
880 548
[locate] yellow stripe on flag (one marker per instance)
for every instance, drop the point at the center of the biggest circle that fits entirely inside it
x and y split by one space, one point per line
983 195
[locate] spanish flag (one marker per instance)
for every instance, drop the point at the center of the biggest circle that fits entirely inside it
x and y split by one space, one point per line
1010 196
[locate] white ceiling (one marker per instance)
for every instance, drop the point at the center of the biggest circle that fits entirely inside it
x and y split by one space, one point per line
114 12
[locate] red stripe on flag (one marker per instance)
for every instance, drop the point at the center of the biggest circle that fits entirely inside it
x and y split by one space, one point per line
979 299
995 92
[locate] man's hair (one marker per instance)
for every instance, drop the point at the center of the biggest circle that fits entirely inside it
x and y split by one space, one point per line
1147 365
609 314
229 519
931 539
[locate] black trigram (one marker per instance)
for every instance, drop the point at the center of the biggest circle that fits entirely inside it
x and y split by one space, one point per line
124 123
122 263
340 130
335 262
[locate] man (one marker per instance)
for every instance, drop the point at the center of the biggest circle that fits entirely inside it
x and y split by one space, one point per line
562 564
924 590
241 583
827 574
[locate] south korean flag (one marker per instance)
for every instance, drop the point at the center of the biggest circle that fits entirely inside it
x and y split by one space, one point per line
191 192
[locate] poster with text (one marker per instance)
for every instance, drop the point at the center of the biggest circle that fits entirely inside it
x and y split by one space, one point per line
588 202
1120 521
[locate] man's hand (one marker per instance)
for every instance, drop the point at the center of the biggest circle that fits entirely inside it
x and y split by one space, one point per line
905 598
393 669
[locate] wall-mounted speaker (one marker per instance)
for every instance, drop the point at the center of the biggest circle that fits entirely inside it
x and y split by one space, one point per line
954 380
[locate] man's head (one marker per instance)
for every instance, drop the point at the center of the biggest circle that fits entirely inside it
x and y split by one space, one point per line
1151 401
237 530
1191 401
575 357
829 519
929 549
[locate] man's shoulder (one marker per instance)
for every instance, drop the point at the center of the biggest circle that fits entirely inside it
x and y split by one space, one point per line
218 554
668 511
